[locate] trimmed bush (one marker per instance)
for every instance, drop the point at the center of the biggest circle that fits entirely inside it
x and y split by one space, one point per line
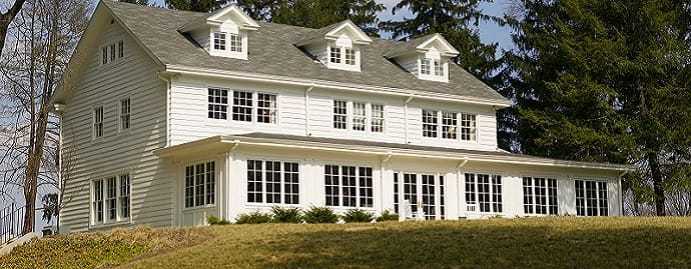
213 220
357 215
387 216
320 215
286 215
253 218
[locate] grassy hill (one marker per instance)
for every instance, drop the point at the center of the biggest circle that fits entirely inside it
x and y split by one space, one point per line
495 243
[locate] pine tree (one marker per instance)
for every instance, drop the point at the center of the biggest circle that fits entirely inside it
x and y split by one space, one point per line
456 20
196 5
603 81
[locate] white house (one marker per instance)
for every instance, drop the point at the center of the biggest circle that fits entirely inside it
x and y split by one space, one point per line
176 116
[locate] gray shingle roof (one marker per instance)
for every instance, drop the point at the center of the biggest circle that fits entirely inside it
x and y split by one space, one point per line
272 52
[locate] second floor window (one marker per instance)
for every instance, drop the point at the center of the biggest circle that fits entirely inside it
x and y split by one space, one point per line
218 104
359 116
468 127
430 123
266 108
125 114
98 122
242 106
377 118
449 123
340 114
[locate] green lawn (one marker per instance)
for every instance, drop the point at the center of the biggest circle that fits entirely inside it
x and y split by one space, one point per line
495 243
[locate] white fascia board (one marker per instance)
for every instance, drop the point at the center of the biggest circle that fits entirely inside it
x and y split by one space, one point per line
449 51
184 70
246 24
363 39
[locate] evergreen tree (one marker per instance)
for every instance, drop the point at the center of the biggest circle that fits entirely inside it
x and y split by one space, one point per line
196 5
138 2
457 21
604 81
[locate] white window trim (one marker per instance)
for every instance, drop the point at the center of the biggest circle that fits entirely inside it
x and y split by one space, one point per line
112 56
597 195
358 205
432 76
92 210
534 204
119 107
94 137
183 186
418 190
477 210
440 125
342 65
243 55
255 106
263 203
350 115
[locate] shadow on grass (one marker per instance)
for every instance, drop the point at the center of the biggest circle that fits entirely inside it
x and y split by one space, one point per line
443 245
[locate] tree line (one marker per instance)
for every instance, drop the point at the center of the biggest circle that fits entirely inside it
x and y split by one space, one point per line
590 80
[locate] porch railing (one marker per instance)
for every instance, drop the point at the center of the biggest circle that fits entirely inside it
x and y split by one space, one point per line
11 223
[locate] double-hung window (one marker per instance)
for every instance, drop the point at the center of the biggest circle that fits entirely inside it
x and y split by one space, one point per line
349 56
377 118
430 123
425 66
348 186
340 117
125 109
98 122
591 198
235 42
540 196
220 41
335 55
110 199
273 182
483 192
468 127
200 185
242 106
438 68
359 116
218 103
266 108
344 57
363 116
449 125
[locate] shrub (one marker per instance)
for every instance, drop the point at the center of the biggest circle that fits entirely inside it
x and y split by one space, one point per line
286 215
387 216
253 218
213 220
358 215
320 215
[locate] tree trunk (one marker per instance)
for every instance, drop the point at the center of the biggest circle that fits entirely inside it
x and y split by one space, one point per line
658 189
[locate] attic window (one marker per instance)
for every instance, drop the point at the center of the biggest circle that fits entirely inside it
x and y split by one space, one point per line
335 55
432 69
343 57
235 43
219 41
350 56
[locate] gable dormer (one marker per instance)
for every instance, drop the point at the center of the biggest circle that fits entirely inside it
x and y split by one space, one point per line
224 33
337 46
426 57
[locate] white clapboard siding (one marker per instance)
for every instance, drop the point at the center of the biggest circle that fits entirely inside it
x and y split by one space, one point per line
131 151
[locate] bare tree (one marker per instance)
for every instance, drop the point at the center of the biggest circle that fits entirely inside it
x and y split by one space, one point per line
6 18
43 36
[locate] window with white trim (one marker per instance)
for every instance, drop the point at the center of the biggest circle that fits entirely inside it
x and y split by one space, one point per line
425 66
430 123
591 198
359 116
428 188
349 56
343 57
98 122
112 53
377 118
242 106
218 103
395 193
432 68
266 108
219 41
235 42
468 127
121 49
110 199
340 117
273 182
200 185
449 125
483 193
438 68
540 196
335 55
125 110
348 186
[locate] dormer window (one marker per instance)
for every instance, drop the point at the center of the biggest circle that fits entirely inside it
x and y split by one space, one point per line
335 55
425 57
432 67
224 33
235 43
337 46
219 41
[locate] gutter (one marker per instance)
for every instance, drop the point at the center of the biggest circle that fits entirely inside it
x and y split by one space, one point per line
255 77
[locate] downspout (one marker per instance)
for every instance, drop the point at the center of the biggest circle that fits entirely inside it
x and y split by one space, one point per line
167 78
405 117
307 110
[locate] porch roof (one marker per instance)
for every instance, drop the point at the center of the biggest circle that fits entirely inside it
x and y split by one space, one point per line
383 149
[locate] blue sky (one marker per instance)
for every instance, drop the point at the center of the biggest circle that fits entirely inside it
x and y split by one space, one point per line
489 31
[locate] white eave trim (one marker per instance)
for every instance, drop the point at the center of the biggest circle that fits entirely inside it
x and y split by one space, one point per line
255 77
449 51
394 152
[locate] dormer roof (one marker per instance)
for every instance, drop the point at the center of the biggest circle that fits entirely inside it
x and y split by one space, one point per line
230 13
423 44
334 32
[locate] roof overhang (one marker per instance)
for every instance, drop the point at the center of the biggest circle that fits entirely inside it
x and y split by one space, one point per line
358 37
239 18
234 141
407 93
445 48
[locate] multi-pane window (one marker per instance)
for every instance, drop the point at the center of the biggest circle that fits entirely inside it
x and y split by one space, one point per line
468 127
273 182
449 125
540 196
218 104
335 55
428 196
124 196
349 56
121 49
438 68
266 108
242 106
591 198
485 191
359 116
425 66
395 193
200 184
235 42
410 191
125 110
377 118
111 199
430 123
340 114
348 186
219 41
430 191
104 55
112 53
98 122
442 211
